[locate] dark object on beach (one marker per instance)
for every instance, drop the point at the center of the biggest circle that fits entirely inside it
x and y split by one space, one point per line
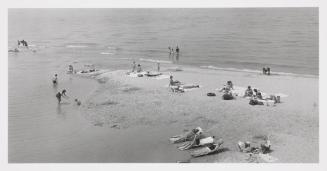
78 103
207 150
152 74
140 75
264 71
211 94
268 70
228 96
55 79
255 102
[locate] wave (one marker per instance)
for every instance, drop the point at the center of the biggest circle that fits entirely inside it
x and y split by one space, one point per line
155 60
256 71
76 46
106 53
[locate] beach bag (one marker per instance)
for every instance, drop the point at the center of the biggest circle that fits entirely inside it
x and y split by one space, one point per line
211 94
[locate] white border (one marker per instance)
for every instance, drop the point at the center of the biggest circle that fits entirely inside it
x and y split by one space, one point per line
4 5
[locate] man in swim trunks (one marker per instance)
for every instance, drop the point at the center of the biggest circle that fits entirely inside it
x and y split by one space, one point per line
58 95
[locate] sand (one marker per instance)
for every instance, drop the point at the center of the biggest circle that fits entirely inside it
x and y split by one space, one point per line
144 113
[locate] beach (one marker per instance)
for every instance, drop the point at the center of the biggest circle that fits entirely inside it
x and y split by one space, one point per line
128 119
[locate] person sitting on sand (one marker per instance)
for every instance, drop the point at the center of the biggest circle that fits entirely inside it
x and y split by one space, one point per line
58 95
78 103
70 68
139 69
230 85
173 83
248 92
259 96
55 80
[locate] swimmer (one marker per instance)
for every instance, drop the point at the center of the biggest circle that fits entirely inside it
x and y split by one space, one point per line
158 66
63 93
58 95
55 80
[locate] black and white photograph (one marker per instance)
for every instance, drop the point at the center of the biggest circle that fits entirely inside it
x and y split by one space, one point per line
163 85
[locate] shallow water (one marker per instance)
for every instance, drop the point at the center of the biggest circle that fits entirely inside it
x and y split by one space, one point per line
286 39
41 131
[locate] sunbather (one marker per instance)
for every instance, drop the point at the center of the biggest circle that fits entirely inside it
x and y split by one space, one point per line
174 83
248 92
186 137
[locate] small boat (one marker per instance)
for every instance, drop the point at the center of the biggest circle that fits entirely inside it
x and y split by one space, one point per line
212 148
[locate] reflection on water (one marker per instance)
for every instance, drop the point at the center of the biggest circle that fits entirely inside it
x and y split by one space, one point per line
174 57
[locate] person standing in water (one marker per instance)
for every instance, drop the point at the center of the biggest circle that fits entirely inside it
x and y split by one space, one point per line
58 95
177 49
55 80
158 66
134 66
139 69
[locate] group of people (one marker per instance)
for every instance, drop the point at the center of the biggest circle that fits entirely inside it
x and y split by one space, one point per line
137 68
23 42
266 71
227 90
171 50
255 96
63 92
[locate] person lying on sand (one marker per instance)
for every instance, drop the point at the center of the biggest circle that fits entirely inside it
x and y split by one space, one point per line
154 74
174 83
187 136
88 71
190 86
177 89
254 101
199 140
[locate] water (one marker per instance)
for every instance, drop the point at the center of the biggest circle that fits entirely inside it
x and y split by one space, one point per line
286 39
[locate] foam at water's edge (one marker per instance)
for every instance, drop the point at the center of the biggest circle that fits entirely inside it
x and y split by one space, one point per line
154 60
257 71
76 46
